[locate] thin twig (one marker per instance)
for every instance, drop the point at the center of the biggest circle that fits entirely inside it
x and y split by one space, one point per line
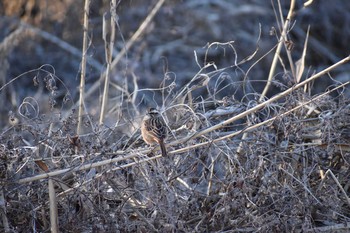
339 185
250 127
301 183
146 151
128 45
269 101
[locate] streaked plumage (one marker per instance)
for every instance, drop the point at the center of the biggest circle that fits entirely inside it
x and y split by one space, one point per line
154 129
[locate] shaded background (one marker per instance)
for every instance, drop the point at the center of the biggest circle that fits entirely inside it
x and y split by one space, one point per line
166 49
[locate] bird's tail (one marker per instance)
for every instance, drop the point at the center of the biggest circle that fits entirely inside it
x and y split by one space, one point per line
162 148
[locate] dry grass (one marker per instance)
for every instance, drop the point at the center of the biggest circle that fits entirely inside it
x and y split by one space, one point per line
239 160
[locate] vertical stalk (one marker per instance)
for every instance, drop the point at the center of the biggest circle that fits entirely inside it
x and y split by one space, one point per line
83 65
109 52
5 221
53 207
278 50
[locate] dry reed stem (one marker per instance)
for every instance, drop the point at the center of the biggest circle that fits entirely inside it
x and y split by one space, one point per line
84 167
196 135
278 50
3 211
269 101
109 45
253 126
181 150
83 66
128 45
300 64
286 44
97 176
53 207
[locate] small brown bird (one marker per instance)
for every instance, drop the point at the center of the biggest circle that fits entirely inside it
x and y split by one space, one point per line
154 129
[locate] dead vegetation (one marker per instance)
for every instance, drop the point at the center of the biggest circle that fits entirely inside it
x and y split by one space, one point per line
245 154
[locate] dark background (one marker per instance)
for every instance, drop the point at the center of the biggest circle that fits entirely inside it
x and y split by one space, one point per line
166 49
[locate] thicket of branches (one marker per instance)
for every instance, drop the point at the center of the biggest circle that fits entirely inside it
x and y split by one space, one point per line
249 150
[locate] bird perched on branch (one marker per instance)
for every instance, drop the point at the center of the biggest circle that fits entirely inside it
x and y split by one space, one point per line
154 129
